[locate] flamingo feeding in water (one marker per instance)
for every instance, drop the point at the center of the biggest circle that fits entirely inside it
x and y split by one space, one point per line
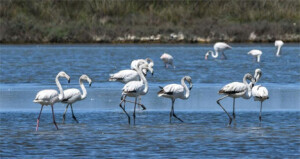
167 59
218 47
148 61
256 54
174 91
278 44
73 95
259 92
135 89
236 90
50 97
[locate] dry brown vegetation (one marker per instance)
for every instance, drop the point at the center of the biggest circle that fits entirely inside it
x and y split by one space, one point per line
89 21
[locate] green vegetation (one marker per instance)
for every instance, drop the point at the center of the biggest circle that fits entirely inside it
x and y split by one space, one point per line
90 21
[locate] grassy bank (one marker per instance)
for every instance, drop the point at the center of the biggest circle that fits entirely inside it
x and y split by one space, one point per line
118 21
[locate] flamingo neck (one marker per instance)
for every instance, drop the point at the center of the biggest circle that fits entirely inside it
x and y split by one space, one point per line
143 79
278 51
84 93
258 58
214 54
248 92
61 92
187 91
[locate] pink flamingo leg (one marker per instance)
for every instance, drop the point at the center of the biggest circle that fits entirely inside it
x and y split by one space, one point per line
38 119
54 117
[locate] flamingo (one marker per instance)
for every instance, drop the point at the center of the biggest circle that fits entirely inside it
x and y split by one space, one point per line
278 44
73 95
256 54
148 61
218 47
50 97
167 59
236 90
259 92
135 89
174 91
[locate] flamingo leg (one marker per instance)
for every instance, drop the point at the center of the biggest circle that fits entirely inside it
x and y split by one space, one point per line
233 109
224 56
171 112
73 116
134 111
173 101
218 101
38 119
64 115
123 100
144 108
53 117
260 111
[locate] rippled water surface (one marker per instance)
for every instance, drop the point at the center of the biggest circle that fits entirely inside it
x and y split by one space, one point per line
103 130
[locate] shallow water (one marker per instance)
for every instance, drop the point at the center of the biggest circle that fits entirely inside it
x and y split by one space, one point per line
103 131
107 134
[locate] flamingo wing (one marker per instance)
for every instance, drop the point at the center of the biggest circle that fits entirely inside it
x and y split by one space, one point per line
71 95
133 86
46 95
233 88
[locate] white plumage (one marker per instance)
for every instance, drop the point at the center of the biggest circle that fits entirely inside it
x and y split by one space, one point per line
147 60
174 91
73 95
218 47
50 97
259 92
135 89
278 44
236 90
167 59
125 76
256 54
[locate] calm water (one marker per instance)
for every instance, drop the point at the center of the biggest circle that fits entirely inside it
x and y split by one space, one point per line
103 131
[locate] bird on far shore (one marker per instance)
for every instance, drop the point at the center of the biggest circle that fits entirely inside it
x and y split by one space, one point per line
256 54
278 44
167 59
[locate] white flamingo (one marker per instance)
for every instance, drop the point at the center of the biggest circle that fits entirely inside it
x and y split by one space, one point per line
73 95
50 97
278 44
236 90
147 60
174 91
167 59
125 76
218 47
135 89
256 54
259 92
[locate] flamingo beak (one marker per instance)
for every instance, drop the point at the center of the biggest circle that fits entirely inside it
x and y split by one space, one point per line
69 80
90 84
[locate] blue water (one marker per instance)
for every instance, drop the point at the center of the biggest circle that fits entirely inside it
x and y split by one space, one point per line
103 131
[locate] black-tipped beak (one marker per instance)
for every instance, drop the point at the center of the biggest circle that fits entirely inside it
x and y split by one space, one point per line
90 84
252 85
152 73
191 88
69 80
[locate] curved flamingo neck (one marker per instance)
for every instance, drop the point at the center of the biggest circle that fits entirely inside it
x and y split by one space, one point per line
258 58
187 91
84 93
61 92
278 51
143 79
248 92
214 54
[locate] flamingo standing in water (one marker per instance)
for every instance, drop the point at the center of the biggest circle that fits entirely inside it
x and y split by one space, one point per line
236 90
259 92
167 59
147 60
174 91
256 54
278 44
135 89
50 97
73 95
218 47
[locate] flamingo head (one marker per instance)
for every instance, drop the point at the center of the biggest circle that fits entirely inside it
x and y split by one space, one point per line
85 78
189 80
64 74
206 56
